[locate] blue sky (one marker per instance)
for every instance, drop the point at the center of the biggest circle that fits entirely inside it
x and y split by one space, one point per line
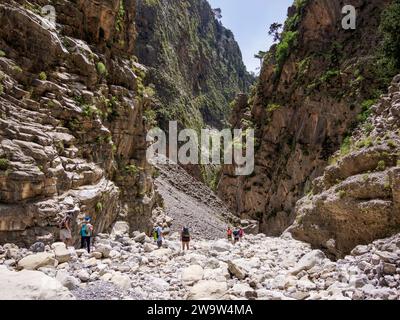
249 20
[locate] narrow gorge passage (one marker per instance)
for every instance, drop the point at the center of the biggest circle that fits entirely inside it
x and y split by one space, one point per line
85 83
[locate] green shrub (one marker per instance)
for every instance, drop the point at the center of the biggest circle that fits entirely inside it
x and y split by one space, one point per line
368 127
398 163
328 75
390 26
1 89
4 164
289 39
387 184
345 147
150 116
156 173
99 207
273 106
101 69
149 92
341 194
365 110
381 165
43 76
119 24
17 69
79 100
392 144
91 110
132 169
367 142
2 54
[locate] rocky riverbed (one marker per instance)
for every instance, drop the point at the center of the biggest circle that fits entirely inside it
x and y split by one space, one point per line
123 267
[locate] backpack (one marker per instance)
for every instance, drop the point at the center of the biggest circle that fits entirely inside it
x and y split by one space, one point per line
236 233
89 230
186 232
84 230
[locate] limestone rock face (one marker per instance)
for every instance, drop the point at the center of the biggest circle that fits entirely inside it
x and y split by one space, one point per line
72 132
357 199
305 103
31 285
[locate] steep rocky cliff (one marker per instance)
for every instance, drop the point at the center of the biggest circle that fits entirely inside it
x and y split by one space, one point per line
194 63
315 87
357 199
72 132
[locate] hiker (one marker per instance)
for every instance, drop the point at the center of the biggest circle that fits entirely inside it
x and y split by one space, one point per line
86 234
65 229
159 235
236 235
185 238
229 233
241 233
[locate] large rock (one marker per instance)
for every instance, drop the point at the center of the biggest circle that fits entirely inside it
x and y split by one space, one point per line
140 238
208 290
104 250
37 260
66 280
120 228
37 247
122 281
308 261
31 285
221 246
192 274
236 270
61 252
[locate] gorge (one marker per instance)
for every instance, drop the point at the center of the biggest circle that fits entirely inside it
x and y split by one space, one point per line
321 210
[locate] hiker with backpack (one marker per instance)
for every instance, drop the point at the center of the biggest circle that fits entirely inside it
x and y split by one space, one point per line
185 238
236 235
86 233
229 233
65 229
158 235
241 233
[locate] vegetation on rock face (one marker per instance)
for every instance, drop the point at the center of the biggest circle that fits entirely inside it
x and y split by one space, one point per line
132 170
389 59
4 164
42 76
101 69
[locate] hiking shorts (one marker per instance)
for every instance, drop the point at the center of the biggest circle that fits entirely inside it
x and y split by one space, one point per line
65 234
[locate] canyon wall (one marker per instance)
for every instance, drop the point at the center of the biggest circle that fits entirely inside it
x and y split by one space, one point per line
72 130
316 85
